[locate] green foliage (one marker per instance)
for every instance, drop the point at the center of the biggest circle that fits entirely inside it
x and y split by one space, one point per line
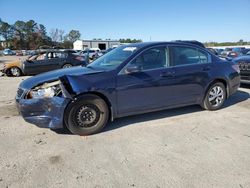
24 35
73 35
214 44
32 35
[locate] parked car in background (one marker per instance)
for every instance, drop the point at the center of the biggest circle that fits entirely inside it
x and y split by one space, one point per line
131 79
219 50
19 53
106 51
213 51
8 52
94 53
245 51
226 52
244 64
43 62
233 52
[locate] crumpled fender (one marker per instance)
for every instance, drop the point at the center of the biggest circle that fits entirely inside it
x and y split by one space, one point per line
77 84
74 85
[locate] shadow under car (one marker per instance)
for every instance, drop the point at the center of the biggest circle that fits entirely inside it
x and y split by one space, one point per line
238 97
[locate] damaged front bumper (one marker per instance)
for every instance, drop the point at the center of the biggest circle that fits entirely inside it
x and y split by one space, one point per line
43 112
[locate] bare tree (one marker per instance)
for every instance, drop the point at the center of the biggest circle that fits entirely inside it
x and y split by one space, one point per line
61 35
57 35
54 34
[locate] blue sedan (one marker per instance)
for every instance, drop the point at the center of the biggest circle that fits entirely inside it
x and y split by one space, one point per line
131 79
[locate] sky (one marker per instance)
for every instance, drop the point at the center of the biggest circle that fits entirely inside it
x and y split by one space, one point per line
149 20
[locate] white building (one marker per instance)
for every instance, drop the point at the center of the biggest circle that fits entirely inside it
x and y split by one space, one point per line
101 44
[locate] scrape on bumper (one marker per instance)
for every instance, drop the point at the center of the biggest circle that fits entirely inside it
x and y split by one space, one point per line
45 113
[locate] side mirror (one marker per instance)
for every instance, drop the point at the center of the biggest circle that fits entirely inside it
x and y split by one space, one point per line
133 69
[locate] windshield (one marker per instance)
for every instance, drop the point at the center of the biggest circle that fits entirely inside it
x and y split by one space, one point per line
114 58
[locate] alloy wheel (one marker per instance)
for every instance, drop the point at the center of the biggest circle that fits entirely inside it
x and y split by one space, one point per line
15 71
216 96
67 66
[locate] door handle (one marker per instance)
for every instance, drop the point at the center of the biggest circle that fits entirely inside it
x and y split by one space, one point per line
167 74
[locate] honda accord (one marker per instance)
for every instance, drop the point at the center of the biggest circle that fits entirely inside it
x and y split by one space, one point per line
131 79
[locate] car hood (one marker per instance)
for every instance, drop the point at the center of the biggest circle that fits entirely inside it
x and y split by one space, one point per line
55 75
13 64
242 58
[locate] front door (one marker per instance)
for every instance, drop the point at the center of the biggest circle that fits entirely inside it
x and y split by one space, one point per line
43 63
148 88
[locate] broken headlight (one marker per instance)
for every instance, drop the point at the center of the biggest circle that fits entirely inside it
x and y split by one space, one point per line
46 90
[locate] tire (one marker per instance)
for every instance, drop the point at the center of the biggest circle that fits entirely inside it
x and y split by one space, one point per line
67 65
15 71
215 97
87 115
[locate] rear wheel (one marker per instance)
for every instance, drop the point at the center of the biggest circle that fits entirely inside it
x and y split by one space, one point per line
215 97
67 65
15 71
87 115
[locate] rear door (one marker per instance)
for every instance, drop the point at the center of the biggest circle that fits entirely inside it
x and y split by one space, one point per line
45 62
59 59
192 72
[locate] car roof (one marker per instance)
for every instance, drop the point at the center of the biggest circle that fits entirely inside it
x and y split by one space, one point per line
147 44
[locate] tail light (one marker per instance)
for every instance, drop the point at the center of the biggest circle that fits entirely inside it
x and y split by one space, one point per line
233 54
79 58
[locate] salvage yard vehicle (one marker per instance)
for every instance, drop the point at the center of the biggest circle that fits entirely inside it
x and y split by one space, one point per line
43 62
8 52
93 53
244 64
131 79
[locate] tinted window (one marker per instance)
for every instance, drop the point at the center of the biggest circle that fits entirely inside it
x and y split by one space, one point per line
187 55
152 59
60 55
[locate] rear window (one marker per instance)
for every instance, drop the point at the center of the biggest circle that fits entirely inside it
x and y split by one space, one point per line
60 55
187 55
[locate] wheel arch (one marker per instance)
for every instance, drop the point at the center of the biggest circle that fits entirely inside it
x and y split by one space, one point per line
65 63
7 71
103 97
223 81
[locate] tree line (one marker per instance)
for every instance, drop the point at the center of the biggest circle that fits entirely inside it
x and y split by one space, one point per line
241 42
32 35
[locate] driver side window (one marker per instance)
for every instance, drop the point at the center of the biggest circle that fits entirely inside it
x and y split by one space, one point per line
153 58
41 57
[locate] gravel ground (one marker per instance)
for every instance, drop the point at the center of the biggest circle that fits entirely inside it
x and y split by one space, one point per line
184 147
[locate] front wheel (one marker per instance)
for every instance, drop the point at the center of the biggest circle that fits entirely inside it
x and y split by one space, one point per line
67 65
87 115
15 71
215 97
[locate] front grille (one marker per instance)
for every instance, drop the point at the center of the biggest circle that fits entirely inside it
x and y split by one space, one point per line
20 93
244 66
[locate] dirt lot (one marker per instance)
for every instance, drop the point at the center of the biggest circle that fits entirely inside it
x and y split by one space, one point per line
185 147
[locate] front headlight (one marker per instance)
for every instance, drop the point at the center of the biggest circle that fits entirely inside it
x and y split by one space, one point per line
46 90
